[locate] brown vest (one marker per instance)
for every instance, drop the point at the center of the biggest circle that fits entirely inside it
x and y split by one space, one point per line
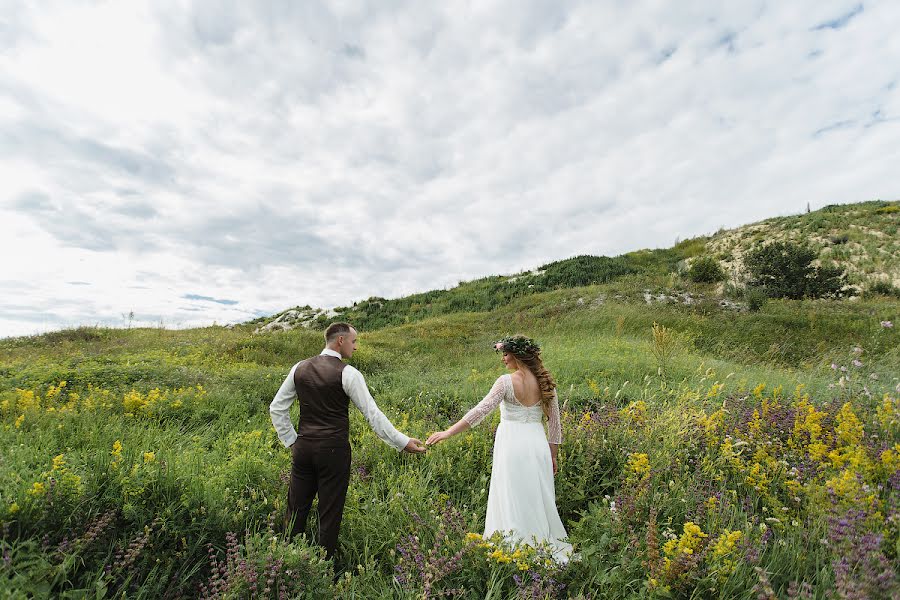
324 404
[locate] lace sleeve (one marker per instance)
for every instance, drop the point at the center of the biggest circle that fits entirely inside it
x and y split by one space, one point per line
490 402
554 428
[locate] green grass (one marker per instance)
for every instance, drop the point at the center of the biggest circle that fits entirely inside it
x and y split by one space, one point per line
217 467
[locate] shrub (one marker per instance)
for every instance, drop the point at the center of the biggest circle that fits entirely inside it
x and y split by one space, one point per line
705 269
840 239
883 288
755 298
784 270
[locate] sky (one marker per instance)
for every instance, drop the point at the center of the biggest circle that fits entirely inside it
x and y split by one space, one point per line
180 164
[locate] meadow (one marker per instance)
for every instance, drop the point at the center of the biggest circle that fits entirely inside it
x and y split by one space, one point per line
707 453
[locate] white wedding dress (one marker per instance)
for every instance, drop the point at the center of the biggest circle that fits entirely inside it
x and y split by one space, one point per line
522 496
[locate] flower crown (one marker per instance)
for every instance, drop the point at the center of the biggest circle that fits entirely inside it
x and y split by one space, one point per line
517 344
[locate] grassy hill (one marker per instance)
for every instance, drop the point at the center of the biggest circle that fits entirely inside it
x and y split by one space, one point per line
142 463
860 238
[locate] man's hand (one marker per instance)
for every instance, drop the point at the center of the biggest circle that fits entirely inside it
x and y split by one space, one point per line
414 446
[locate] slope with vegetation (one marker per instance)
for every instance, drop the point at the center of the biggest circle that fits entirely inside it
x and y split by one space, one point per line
707 452
860 239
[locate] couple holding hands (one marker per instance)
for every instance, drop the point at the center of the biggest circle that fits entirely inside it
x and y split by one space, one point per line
522 498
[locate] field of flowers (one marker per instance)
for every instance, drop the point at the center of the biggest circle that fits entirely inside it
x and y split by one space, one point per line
142 464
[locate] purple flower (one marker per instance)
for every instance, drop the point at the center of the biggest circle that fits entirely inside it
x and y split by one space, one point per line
834 367
887 324
857 363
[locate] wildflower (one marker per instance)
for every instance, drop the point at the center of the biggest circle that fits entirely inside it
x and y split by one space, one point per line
58 462
689 542
19 421
116 453
37 489
13 508
857 363
149 457
887 324
639 464
857 350
834 367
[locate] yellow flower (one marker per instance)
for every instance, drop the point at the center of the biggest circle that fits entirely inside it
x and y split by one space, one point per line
26 399
726 543
499 556
639 464
472 537
19 421
58 462
523 566
890 459
849 430
149 457
116 453
13 508
689 542
37 489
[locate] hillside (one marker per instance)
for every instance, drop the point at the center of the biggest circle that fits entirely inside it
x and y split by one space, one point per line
861 238
142 462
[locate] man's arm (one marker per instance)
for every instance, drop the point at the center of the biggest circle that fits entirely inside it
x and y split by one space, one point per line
280 410
356 388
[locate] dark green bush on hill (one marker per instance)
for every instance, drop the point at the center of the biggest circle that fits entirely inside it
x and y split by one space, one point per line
883 288
785 270
582 270
705 269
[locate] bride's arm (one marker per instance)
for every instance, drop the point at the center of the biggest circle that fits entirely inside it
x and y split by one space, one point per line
440 436
554 430
474 416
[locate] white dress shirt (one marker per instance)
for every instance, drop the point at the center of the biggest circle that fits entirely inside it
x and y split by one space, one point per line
354 386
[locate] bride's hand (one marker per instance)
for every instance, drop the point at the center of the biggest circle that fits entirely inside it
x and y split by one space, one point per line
555 464
435 438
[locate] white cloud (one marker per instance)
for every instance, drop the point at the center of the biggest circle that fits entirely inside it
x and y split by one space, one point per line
293 153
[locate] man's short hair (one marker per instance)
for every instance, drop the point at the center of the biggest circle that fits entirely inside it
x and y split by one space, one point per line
336 330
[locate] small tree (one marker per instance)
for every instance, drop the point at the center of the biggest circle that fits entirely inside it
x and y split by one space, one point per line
784 270
705 269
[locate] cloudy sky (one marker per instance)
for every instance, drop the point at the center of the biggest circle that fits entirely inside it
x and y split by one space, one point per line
216 161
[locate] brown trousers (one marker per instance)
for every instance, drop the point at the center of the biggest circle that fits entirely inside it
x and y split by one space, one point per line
319 467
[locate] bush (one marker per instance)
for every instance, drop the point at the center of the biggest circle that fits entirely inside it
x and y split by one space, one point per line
837 240
755 298
784 270
883 288
705 269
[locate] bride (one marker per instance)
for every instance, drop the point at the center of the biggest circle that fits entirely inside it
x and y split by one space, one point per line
522 496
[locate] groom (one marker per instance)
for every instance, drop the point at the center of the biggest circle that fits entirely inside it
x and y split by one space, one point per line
320 451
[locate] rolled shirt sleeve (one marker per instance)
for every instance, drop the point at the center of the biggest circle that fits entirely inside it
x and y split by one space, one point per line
280 410
355 387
